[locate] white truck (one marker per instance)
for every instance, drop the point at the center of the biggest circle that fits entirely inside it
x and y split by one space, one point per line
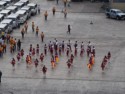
115 13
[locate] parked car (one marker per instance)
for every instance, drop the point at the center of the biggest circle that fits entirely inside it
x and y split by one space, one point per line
115 13
9 22
2 5
23 16
12 8
4 28
8 1
24 1
19 4
28 11
16 20
33 8
5 12
1 17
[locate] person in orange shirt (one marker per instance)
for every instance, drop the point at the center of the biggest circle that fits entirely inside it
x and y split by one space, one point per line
42 36
37 30
33 26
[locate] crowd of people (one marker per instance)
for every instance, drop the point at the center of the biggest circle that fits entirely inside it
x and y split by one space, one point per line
55 48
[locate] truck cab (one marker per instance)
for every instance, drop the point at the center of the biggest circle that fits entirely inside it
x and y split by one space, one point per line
15 18
33 8
9 22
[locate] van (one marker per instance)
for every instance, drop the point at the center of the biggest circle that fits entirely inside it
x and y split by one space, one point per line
1 17
28 11
15 18
2 5
9 22
19 4
5 12
33 8
23 16
24 1
12 8
4 28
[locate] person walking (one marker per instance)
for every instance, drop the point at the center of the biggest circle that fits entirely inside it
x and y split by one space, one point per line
69 29
68 3
65 13
54 10
33 26
44 69
0 75
37 30
19 45
39 9
26 27
65 2
22 32
46 15
42 36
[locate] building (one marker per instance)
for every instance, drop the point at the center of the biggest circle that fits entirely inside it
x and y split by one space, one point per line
119 4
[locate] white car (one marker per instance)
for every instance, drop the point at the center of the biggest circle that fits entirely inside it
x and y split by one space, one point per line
33 8
9 22
28 11
19 4
2 5
23 15
5 12
16 20
24 1
4 28
12 8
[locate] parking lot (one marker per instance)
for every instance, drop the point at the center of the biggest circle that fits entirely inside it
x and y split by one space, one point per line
105 34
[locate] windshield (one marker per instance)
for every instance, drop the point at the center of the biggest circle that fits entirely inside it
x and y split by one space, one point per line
118 11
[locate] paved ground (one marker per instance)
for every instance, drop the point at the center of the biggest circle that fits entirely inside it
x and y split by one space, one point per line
105 34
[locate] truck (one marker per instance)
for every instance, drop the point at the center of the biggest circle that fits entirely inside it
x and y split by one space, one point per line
115 13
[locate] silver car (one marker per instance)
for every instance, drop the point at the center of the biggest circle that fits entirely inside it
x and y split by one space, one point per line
5 12
9 22
33 8
4 28
2 5
16 20
12 8
19 4
23 15
24 1
28 10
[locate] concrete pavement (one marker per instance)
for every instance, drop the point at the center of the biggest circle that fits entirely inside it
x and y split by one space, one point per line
105 34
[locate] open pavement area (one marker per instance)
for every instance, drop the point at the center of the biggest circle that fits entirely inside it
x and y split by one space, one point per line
105 34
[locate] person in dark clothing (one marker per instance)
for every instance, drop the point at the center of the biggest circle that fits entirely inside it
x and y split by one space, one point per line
69 29
19 45
0 75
